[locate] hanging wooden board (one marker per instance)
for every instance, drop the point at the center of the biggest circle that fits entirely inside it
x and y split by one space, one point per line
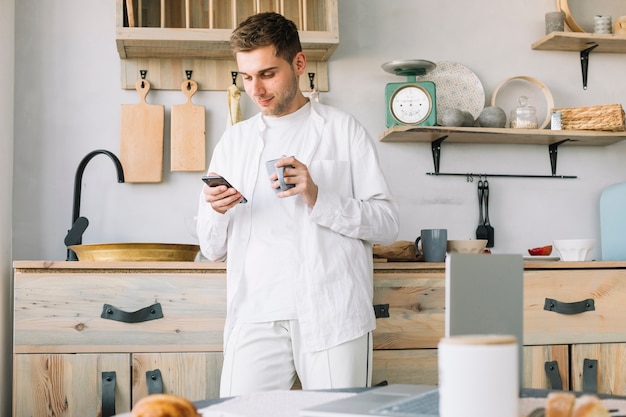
188 136
141 138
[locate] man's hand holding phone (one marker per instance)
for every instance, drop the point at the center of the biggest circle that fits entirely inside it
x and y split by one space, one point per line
220 193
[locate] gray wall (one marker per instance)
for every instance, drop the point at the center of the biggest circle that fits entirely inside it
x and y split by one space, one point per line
7 28
68 99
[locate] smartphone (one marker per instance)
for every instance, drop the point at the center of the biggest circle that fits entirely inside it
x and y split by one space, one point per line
215 180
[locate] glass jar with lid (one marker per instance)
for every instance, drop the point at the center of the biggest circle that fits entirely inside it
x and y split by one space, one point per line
524 116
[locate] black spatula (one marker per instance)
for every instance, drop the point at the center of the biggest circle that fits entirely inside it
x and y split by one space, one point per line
488 226
481 230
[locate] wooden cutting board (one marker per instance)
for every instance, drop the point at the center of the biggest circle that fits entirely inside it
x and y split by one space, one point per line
141 138
188 135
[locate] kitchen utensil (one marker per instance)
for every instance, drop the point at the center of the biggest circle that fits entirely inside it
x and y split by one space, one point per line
613 222
466 246
188 135
141 138
574 249
458 87
135 252
488 226
411 102
433 244
481 230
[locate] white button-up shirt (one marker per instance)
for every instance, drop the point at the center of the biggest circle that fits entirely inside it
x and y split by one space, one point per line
354 209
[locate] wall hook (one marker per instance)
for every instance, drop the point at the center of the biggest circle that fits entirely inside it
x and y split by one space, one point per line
311 78
233 74
188 74
142 74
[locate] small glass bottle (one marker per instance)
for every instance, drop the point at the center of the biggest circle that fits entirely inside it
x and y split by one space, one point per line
524 116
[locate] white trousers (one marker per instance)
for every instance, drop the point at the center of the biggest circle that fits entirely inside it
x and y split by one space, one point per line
268 356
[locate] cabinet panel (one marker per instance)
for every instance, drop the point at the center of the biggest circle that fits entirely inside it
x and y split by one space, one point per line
535 357
416 310
62 312
66 385
611 375
412 366
607 289
195 376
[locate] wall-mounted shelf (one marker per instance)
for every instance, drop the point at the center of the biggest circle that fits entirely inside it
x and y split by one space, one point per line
166 38
579 41
584 43
436 135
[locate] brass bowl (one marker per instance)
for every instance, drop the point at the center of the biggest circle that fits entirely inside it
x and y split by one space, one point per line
132 252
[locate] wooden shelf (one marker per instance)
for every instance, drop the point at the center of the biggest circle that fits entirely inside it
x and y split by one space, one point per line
579 41
166 39
205 43
501 136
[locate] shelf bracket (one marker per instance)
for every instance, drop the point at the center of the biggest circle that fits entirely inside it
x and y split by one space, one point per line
435 146
552 150
584 62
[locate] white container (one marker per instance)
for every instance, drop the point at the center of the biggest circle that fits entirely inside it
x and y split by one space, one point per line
478 376
574 249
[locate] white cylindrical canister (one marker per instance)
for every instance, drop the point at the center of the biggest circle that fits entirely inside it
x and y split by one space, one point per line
478 376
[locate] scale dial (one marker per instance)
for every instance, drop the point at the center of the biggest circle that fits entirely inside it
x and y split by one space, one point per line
411 104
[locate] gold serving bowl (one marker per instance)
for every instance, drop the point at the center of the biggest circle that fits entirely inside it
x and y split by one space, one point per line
132 252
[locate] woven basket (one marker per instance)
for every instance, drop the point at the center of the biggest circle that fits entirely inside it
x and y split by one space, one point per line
607 117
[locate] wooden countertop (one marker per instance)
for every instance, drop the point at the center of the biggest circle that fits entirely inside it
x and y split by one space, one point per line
219 267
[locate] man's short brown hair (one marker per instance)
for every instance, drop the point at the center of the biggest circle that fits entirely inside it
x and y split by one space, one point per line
264 29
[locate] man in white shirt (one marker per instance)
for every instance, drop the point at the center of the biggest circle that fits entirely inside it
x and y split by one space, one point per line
299 260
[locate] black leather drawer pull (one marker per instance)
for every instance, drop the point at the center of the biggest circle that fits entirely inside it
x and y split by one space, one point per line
108 394
590 375
569 308
154 380
152 312
552 372
381 310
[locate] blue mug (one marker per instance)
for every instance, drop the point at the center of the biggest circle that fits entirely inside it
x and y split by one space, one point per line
434 243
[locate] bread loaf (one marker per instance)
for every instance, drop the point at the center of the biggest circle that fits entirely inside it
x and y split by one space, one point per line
589 406
560 404
565 404
164 405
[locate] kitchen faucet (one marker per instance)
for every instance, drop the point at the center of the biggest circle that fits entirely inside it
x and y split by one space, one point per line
79 224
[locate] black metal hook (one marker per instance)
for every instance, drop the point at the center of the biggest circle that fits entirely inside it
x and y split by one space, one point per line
143 74
234 74
188 74
311 78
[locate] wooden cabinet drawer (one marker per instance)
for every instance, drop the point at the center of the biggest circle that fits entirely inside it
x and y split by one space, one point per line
416 307
411 366
61 312
607 289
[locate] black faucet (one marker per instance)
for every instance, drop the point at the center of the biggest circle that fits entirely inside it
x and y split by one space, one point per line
79 224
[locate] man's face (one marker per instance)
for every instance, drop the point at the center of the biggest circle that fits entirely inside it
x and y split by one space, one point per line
271 81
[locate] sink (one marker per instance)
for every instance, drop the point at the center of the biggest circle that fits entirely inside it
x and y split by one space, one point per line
131 252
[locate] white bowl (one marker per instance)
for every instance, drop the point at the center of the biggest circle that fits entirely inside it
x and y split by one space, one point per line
466 246
574 249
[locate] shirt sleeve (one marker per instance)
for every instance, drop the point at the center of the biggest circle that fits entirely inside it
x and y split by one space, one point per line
369 213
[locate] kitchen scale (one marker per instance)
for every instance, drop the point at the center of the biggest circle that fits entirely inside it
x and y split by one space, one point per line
410 103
